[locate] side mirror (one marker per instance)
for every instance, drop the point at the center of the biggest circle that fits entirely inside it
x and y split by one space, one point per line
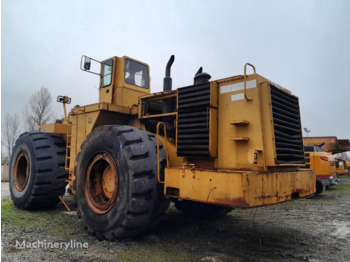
87 63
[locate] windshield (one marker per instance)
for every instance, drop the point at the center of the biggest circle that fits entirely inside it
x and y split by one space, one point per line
136 73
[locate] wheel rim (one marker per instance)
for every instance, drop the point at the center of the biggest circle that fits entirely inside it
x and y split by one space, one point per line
21 171
101 183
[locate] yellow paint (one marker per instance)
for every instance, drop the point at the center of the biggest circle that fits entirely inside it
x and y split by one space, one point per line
323 163
174 160
57 128
245 126
237 188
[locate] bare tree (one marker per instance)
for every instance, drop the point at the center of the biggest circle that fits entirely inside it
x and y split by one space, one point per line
10 130
28 119
38 111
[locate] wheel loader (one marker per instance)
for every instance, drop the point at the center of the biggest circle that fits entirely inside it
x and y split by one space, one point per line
208 147
341 167
324 165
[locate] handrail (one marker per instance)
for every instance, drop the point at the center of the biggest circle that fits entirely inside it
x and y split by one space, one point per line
166 150
245 82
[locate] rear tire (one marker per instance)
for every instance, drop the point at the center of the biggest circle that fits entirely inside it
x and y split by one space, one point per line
199 210
319 187
118 194
37 173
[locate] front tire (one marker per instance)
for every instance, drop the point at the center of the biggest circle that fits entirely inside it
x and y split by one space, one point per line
37 173
319 187
118 194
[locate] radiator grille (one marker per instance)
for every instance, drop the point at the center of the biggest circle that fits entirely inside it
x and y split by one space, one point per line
287 127
192 131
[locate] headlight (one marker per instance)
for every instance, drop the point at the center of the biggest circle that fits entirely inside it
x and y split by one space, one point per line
330 177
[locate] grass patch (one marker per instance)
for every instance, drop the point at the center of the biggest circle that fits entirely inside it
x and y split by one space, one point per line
338 189
302 203
155 253
6 207
50 221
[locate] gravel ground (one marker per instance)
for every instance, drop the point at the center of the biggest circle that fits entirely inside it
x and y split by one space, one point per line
314 229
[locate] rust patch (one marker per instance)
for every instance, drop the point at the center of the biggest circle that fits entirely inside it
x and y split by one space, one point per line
235 202
101 183
202 163
248 182
211 190
239 202
264 197
21 171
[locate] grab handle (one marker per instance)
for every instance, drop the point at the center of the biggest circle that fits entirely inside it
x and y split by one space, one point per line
245 81
166 149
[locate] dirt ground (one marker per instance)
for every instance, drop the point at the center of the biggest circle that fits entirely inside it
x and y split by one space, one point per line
314 229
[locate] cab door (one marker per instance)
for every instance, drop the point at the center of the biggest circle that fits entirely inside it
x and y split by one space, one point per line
108 70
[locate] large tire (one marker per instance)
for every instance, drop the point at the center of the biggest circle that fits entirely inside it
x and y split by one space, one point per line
37 173
117 191
320 187
199 210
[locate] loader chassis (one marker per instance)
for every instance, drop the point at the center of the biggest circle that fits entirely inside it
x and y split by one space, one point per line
233 142
211 152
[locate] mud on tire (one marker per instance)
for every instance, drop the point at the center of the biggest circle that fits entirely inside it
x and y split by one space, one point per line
37 173
137 202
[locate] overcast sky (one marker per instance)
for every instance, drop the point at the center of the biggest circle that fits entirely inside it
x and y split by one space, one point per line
301 45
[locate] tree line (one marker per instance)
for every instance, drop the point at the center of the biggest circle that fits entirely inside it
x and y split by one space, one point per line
38 111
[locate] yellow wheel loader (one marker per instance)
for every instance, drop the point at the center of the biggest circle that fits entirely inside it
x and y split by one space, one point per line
341 167
209 147
324 165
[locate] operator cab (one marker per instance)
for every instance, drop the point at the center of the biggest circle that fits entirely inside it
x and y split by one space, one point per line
122 79
313 149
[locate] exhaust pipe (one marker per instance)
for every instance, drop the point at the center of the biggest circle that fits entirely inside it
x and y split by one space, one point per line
201 77
167 86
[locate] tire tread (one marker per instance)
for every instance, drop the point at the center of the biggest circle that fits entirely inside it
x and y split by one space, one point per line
146 202
47 155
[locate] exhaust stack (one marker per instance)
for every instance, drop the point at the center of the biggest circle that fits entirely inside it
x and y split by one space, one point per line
201 77
167 86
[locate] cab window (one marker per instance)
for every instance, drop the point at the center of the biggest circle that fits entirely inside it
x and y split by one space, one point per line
107 70
136 74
